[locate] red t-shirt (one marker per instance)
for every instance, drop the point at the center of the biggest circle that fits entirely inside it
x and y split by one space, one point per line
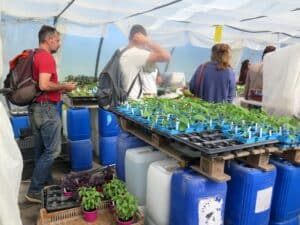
44 62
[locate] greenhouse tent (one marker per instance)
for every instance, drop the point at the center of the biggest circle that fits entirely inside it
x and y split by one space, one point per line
171 23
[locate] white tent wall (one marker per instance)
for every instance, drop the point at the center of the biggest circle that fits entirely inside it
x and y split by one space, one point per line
171 23
10 173
281 81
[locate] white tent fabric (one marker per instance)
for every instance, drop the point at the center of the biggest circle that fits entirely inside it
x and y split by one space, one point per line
171 23
265 18
10 173
281 82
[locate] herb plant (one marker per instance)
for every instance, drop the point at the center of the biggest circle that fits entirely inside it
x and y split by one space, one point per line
91 198
126 206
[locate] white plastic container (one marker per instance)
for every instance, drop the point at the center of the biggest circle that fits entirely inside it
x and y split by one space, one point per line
148 221
137 161
158 191
64 120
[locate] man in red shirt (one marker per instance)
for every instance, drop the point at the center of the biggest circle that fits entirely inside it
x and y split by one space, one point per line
44 118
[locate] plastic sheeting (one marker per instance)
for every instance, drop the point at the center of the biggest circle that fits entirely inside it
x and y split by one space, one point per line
11 165
257 23
281 82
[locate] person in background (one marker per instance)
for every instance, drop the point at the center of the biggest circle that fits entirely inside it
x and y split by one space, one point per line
44 119
243 72
150 79
214 81
254 80
141 50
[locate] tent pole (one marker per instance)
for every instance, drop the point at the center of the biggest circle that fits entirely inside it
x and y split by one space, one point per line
98 58
168 63
56 17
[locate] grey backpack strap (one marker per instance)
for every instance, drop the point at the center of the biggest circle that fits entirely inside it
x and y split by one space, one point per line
138 76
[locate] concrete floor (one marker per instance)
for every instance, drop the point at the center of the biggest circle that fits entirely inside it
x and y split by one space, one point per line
30 211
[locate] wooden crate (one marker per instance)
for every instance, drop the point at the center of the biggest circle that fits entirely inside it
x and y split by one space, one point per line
74 216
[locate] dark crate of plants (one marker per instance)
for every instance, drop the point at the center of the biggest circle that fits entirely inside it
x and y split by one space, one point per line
54 199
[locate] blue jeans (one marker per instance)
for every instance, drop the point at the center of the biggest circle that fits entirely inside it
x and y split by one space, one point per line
46 127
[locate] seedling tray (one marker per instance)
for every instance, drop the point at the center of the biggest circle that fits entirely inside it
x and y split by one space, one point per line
212 142
80 100
194 144
54 200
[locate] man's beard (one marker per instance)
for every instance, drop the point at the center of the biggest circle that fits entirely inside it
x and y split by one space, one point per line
53 51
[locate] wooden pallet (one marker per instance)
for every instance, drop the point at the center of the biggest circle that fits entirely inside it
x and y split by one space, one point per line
157 141
211 166
291 154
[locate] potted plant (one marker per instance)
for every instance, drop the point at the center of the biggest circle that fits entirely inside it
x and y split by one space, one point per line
111 190
115 187
108 173
90 200
97 181
126 208
69 185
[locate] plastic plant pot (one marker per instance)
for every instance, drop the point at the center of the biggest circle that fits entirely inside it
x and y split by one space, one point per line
68 194
129 222
90 216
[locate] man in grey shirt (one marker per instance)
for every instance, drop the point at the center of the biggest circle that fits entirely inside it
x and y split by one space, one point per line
140 51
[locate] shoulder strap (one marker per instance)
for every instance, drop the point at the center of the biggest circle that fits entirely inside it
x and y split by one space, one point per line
123 50
133 82
200 79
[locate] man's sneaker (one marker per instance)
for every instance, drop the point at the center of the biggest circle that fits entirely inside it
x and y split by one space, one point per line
34 197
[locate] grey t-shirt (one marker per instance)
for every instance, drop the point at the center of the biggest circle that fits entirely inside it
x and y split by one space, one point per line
131 63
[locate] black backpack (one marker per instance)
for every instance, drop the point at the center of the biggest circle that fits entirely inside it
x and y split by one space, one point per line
20 87
111 91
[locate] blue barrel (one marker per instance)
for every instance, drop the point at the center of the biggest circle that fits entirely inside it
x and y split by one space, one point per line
81 155
249 195
107 150
125 141
108 124
79 124
294 221
177 208
196 200
286 202
19 122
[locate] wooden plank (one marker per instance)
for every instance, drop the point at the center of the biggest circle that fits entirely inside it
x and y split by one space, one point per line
258 151
223 178
291 155
212 168
158 139
226 156
271 149
155 140
260 161
241 153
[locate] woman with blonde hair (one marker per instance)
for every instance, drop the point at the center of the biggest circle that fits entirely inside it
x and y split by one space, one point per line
214 81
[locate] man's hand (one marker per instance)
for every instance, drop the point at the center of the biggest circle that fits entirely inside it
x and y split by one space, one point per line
140 39
69 86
